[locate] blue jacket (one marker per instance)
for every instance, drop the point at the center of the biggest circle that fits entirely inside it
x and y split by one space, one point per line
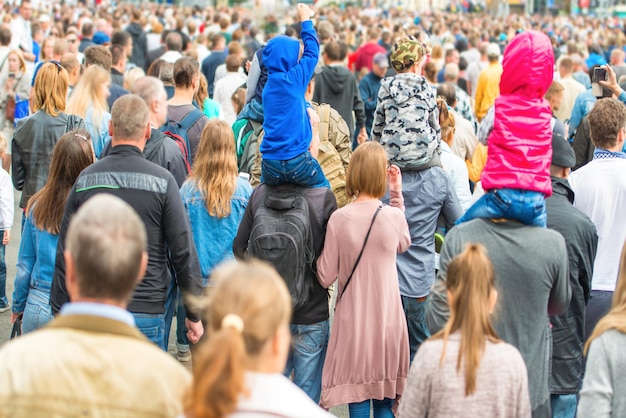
286 125
214 236
368 87
35 263
582 106
427 195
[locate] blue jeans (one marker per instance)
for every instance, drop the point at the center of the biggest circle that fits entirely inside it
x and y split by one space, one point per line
170 308
37 312
4 302
382 409
303 170
525 206
306 357
153 327
182 342
415 312
563 406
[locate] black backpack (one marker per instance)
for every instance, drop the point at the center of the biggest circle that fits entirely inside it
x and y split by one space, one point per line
281 235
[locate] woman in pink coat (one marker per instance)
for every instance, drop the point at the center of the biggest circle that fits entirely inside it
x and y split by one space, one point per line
368 352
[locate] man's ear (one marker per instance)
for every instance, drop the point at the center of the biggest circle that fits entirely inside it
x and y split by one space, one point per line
111 128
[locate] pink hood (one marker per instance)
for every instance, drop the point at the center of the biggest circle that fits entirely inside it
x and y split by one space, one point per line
520 145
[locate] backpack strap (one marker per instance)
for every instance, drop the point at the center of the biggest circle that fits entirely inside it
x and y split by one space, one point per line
154 145
190 119
356 263
323 111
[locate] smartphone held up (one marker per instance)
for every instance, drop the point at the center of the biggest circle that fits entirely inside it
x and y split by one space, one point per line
599 74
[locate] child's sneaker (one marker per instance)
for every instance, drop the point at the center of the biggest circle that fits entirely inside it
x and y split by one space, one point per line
439 238
5 308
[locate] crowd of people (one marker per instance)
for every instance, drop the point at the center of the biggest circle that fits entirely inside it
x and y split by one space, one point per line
411 213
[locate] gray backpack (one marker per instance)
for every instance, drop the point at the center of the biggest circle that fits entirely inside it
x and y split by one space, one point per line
281 235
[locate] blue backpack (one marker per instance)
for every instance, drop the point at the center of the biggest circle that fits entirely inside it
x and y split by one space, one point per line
178 132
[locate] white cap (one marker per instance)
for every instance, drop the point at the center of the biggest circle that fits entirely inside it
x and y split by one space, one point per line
493 50
44 18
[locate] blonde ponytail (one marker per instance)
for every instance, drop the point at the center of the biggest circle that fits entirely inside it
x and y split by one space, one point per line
244 311
471 281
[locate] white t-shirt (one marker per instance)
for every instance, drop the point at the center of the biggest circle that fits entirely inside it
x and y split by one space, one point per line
600 192
457 170
274 395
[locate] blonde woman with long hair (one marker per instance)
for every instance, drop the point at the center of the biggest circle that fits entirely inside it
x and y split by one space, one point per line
602 394
89 101
36 135
215 199
465 369
238 369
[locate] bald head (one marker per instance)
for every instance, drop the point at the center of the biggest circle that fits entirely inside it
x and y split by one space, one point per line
152 92
148 88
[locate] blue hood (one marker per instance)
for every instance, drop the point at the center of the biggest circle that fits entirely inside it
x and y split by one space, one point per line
281 54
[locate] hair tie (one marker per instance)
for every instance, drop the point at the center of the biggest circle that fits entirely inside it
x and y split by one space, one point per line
234 321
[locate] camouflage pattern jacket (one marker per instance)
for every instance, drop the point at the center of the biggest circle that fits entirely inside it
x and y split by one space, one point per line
406 121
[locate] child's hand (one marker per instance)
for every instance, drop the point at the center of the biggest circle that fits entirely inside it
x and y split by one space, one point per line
395 178
362 136
304 12
6 237
313 118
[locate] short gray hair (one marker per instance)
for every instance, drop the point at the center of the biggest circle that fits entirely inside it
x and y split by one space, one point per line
148 88
106 240
451 72
129 117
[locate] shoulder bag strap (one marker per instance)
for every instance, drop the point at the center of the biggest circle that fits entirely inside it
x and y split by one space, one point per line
356 263
3 61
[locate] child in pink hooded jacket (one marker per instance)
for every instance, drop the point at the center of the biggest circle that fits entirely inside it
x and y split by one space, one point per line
516 177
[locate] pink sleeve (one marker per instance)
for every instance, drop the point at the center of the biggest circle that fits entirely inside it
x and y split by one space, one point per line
328 261
396 200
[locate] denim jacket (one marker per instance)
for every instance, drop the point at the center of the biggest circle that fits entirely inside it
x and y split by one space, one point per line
35 263
214 236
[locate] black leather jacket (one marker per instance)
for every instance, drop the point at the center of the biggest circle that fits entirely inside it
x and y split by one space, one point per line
31 151
568 329
163 151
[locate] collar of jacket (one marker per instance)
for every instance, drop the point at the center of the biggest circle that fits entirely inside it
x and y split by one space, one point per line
561 187
126 149
96 324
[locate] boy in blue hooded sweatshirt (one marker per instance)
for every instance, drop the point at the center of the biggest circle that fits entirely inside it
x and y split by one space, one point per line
289 138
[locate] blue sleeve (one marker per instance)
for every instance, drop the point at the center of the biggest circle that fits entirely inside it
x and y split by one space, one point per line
369 100
103 137
622 97
25 263
306 66
575 118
